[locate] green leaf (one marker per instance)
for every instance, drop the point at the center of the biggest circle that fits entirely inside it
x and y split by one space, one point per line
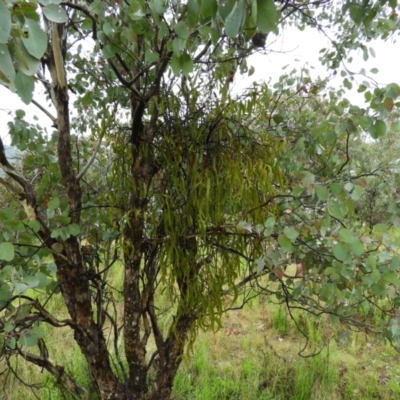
31 281
53 204
380 228
6 251
334 209
267 16
395 126
5 292
395 263
225 8
20 288
336 188
346 236
28 339
371 263
291 233
347 84
5 23
52 268
234 20
34 225
208 8
7 71
38 331
391 277
25 86
378 129
55 13
361 88
269 226
380 288
57 247
356 12
321 192
108 51
331 271
175 64
285 242
159 6
254 13
42 280
341 251
36 40
63 219
375 275
372 52
186 64
357 247
9 326
50 212
107 28
12 343
182 30
393 91
357 192
74 229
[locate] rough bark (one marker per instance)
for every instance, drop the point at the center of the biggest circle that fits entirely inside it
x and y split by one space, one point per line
71 272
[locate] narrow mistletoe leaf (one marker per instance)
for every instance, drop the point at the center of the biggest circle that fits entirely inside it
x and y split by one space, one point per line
254 12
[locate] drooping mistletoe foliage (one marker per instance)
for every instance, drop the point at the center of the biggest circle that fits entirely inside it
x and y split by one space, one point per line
203 198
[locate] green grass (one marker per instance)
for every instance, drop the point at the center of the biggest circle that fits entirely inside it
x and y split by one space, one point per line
254 356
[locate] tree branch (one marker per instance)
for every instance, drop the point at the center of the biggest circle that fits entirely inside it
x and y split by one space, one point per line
86 12
56 370
92 157
41 108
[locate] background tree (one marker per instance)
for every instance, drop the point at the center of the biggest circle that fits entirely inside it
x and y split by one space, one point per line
155 167
379 160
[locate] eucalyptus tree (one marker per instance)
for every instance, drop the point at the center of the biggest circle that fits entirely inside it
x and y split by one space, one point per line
202 198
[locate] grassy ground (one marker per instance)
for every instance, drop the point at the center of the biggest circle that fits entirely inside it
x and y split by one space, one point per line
253 356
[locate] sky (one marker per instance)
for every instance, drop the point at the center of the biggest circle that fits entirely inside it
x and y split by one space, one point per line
297 49
293 48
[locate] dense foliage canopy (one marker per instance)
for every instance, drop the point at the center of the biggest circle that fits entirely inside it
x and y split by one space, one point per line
203 198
